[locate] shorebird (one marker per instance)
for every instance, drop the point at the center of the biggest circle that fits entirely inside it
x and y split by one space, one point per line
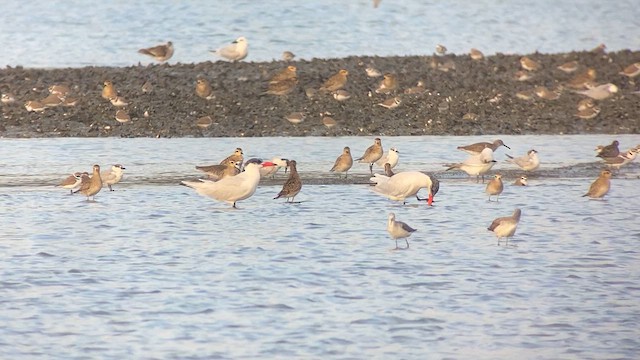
236 156
295 117
477 165
147 87
59 89
329 122
405 184
204 122
569 67
475 149
398 229
160 53
203 89
416 90
622 159
527 162
343 162
73 181
372 72
122 117
544 93
234 188
476 54
372 154
391 158
388 84
7 98
52 100
632 70
581 79
335 82
441 49
495 187
608 151
341 95
391 103
292 186
600 187
290 72
118 101
112 176
217 172
272 170
505 227
108 90
529 64
521 181
93 186
283 87
235 51
387 170
599 92
287 56
34 106
588 112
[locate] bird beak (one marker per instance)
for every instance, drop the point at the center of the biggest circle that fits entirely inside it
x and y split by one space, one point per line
267 163
430 200
506 146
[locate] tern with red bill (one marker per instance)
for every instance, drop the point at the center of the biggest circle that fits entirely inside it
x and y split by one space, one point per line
404 184
234 188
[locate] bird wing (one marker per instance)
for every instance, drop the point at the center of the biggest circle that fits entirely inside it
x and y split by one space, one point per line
497 222
406 227
228 189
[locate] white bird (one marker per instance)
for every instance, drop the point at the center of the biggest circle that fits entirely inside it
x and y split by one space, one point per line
112 176
398 229
622 159
527 162
392 158
271 170
505 227
405 184
477 165
233 188
599 92
235 51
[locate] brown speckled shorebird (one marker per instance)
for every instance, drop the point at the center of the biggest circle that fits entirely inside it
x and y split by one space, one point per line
292 186
372 154
477 148
217 172
495 187
283 87
236 156
343 162
160 53
108 90
92 187
335 82
388 85
203 89
600 187
285 74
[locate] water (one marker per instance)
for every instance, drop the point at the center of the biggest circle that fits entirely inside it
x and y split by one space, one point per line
109 33
154 271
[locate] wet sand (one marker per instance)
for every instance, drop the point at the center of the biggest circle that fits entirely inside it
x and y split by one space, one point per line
475 98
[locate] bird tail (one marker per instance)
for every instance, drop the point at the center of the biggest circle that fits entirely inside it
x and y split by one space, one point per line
145 52
454 166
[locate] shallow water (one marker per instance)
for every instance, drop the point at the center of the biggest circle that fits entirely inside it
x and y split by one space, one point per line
80 33
154 271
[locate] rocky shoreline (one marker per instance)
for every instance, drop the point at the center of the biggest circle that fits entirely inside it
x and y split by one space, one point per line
474 98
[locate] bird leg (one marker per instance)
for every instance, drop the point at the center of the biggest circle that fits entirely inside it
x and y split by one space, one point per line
110 189
234 205
405 239
396 245
371 168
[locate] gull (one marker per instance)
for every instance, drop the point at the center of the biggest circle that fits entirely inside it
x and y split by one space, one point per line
160 53
600 187
398 229
622 159
235 51
405 184
372 154
343 162
93 186
495 187
236 156
521 181
335 82
73 181
112 176
271 170
292 186
217 172
391 158
477 165
527 162
234 188
476 148
599 92
505 227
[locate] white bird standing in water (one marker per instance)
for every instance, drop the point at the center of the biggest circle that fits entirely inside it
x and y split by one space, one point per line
477 164
398 229
529 162
391 158
233 188
404 184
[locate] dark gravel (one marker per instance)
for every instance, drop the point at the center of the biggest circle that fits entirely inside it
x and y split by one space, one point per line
485 88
